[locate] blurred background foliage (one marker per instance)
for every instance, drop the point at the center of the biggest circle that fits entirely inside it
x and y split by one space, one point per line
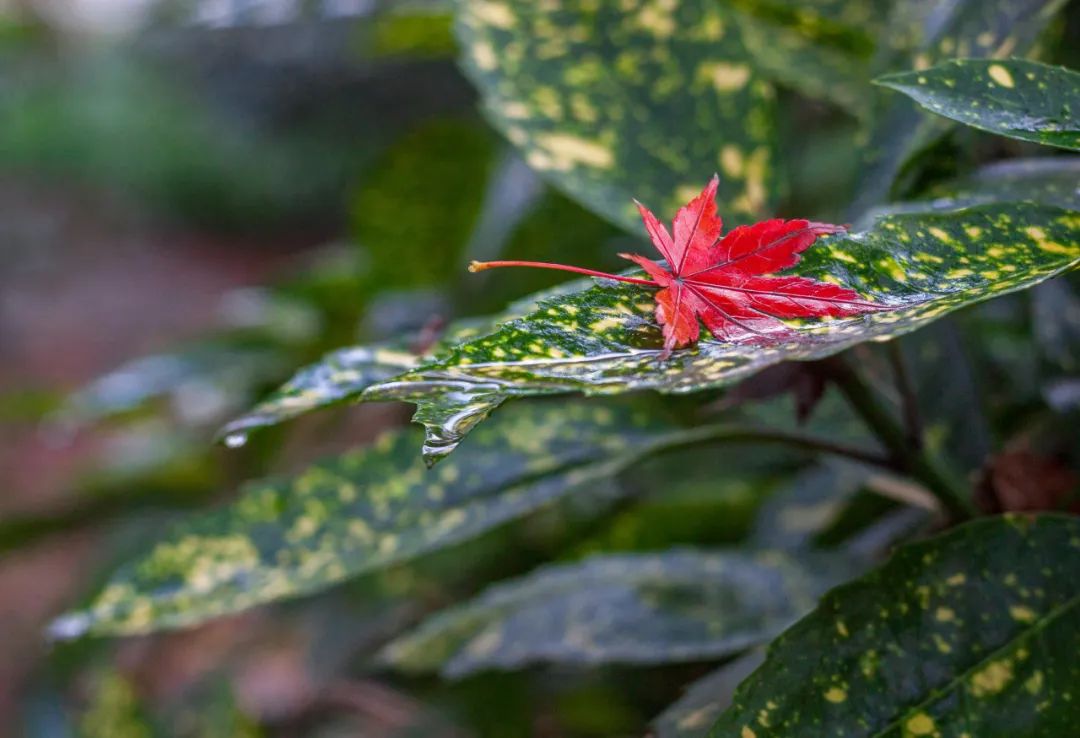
200 196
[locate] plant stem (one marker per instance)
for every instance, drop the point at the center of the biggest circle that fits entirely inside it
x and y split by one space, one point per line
742 434
479 266
919 463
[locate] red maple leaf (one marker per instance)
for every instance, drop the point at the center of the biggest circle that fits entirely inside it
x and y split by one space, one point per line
719 280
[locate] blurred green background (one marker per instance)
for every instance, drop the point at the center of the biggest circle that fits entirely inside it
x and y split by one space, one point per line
198 197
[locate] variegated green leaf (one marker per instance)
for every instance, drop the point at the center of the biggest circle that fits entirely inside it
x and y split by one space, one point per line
680 605
335 378
373 507
1014 98
602 98
793 59
972 633
929 32
605 340
342 375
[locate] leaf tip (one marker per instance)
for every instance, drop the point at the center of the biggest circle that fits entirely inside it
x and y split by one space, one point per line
68 627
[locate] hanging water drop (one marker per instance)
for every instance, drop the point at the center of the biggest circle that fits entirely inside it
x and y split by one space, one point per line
236 440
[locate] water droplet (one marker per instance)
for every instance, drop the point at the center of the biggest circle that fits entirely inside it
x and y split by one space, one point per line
236 440
67 627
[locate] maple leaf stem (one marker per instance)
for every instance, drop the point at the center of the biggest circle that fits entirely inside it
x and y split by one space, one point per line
479 266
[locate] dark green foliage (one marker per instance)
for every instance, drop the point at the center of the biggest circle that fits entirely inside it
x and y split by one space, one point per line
1014 98
604 339
630 608
973 632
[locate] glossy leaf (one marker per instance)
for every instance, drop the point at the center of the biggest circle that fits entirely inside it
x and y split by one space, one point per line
923 33
343 375
604 339
681 605
717 281
1015 98
335 378
370 508
970 633
609 104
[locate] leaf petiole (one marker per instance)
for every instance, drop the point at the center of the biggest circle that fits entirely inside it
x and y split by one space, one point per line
479 266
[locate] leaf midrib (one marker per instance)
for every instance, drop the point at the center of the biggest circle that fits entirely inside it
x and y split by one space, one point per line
953 683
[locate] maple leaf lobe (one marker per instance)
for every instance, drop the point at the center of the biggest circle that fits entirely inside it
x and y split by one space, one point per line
720 281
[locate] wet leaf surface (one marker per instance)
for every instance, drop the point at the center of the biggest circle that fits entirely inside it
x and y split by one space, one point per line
604 339
1015 98
922 34
337 377
370 508
970 633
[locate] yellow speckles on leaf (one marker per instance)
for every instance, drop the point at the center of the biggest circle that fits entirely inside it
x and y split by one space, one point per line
958 273
658 18
841 255
944 615
919 724
1001 75
583 109
956 579
567 151
747 732
940 234
1022 614
491 13
731 160
711 28
483 55
973 231
941 644
991 679
606 324
1042 240
894 270
836 695
868 663
547 102
1034 683
724 76
514 109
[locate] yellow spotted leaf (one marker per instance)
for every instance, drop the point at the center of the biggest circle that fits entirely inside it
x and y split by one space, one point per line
605 339
973 633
